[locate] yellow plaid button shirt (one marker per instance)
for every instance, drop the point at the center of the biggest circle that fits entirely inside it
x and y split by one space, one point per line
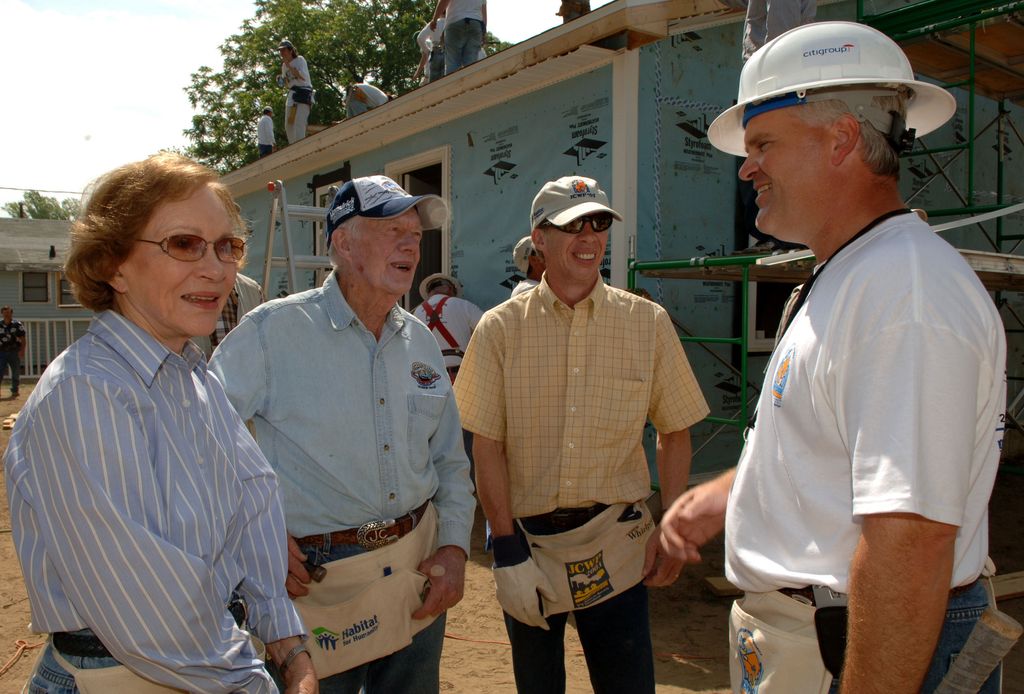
568 392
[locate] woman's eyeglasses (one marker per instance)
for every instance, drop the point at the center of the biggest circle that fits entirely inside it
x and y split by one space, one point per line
191 248
598 222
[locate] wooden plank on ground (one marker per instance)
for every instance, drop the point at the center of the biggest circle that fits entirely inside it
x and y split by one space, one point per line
721 587
1008 586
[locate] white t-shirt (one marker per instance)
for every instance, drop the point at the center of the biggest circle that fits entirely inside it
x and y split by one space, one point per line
290 80
465 9
428 39
459 317
884 395
524 286
265 130
368 94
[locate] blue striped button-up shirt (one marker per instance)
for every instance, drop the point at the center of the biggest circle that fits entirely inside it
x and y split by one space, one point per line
138 502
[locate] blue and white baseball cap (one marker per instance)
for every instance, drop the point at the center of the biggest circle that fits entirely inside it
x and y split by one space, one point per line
378 197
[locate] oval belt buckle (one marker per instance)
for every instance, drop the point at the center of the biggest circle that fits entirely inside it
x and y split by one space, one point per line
370 536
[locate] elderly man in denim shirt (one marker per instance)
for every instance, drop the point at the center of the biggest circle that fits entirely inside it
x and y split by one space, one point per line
352 407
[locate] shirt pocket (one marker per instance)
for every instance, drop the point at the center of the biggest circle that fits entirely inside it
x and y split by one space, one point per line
627 412
424 417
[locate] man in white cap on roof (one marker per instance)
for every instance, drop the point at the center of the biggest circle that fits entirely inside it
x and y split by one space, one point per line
451 318
556 387
866 476
265 132
352 407
529 261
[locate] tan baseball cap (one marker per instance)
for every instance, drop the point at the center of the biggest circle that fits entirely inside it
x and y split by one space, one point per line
568 198
522 252
431 281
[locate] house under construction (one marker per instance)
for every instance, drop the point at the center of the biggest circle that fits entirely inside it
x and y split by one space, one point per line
625 95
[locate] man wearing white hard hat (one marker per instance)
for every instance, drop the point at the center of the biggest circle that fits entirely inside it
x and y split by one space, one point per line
529 261
866 476
556 387
352 407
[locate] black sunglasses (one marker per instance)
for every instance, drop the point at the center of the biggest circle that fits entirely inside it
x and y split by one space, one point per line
598 222
191 248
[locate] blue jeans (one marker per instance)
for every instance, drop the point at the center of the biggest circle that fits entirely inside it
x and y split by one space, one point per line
616 639
463 40
14 361
435 67
50 678
416 669
962 613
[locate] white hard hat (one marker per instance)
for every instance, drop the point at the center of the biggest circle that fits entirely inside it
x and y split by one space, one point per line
831 58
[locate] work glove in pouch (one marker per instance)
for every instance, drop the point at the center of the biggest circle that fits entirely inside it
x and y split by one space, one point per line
519 581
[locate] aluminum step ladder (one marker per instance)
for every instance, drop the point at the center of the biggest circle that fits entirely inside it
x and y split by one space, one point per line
289 214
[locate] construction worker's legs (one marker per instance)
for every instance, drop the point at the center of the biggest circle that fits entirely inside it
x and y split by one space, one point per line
616 640
462 42
296 116
13 361
436 64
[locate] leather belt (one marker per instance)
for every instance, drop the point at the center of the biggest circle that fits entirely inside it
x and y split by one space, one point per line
372 535
563 518
79 644
960 590
806 594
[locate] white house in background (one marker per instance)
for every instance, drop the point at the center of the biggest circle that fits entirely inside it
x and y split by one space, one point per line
32 253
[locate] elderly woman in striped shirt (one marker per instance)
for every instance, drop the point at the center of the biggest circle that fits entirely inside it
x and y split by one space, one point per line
145 517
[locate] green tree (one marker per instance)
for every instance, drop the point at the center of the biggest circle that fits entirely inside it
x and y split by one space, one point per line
39 206
343 42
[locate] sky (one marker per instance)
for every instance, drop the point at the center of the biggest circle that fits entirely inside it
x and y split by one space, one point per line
95 84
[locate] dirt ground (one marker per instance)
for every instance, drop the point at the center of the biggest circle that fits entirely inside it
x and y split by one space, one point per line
688 622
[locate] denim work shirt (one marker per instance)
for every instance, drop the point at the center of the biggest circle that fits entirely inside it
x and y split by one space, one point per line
357 429
138 502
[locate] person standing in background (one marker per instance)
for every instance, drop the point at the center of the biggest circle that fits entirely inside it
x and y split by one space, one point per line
464 31
295 76
529 261
362 97
572 9
265 132
12 347
431 43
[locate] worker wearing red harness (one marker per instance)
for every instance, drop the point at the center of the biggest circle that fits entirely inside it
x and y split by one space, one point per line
451 318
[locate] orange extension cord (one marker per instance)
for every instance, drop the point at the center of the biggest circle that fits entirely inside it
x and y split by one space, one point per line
22 647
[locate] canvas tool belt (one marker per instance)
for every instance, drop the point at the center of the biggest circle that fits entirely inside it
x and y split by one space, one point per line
773 646
302 95
105 680
595 561
362 610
